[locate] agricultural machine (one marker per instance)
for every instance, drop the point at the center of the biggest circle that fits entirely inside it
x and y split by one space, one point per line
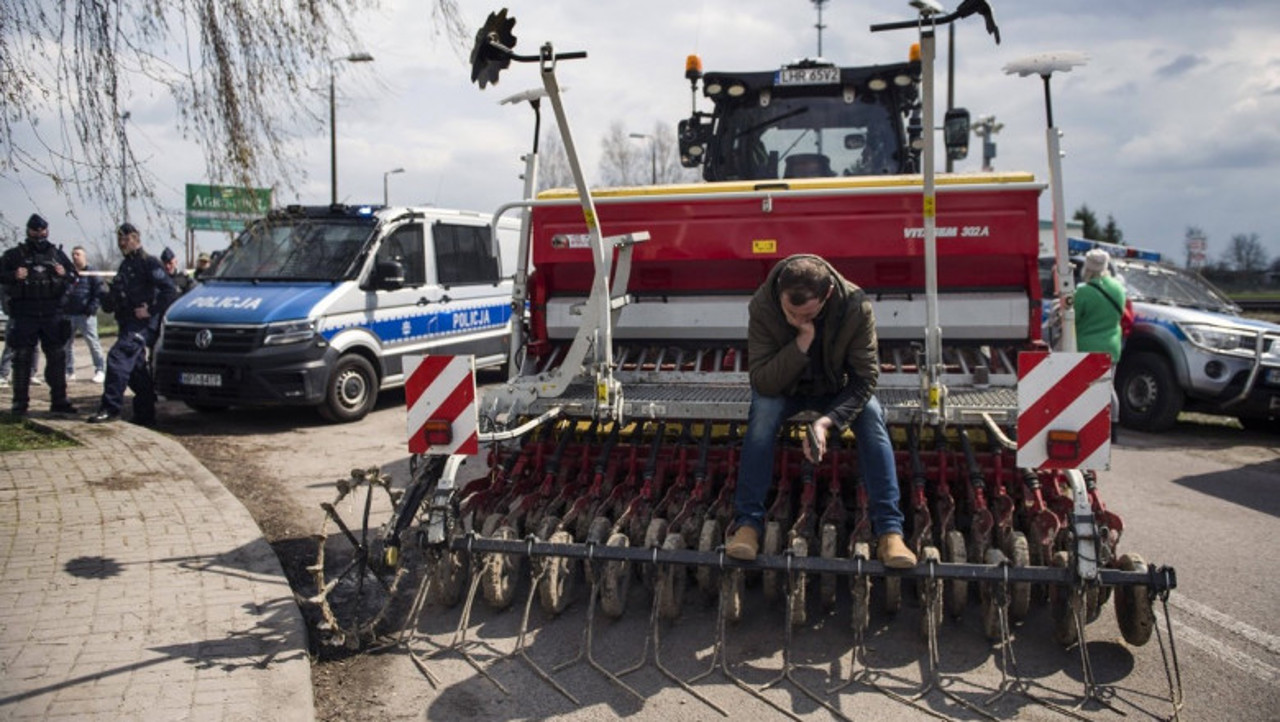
611 451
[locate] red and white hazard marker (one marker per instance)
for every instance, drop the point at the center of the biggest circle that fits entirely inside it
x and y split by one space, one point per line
440 393
1064 410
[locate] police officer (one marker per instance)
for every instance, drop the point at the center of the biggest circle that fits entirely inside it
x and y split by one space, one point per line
138 297
37 276
180 278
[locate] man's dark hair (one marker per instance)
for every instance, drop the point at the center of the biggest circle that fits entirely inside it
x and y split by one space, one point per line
804 279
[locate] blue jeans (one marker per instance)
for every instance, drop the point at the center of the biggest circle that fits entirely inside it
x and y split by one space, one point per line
88 327
875 459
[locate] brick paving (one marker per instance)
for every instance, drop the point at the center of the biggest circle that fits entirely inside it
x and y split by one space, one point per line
133 585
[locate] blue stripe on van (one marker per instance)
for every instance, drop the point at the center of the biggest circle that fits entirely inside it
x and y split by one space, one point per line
428 324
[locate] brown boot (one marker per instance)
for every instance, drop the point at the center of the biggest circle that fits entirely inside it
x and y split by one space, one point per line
894 553
744 543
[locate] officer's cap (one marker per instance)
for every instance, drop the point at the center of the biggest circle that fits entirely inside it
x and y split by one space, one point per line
166 255
126 229
37 223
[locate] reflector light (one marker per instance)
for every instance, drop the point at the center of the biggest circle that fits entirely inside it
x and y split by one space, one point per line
1064 445
913 55
438 432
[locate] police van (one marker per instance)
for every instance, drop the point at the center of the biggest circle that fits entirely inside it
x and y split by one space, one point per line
318 306
1189 349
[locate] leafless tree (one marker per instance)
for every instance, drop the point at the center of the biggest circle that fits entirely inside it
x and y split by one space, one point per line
233 68
1245 254
553 163
631 160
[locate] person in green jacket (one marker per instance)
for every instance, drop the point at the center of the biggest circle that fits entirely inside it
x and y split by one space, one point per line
1100 301
811 346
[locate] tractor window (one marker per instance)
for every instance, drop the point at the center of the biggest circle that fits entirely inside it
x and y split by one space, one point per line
464 255
404 246
811 136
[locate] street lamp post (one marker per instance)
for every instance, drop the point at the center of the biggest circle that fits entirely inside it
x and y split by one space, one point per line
393 171
333 131
653 155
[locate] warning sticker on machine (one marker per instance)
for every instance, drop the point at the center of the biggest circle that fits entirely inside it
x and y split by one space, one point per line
766 245
571 240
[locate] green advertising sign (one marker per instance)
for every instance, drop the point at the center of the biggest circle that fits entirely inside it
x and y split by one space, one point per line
225 208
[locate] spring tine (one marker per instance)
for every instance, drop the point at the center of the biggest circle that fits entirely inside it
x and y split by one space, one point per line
789 667
521 651
655 624
1092 690
586 652
1174 679
459 642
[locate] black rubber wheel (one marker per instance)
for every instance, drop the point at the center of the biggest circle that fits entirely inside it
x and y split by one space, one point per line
352 390
860 591
1063 603
1020 592
988 593
1150 397
710 538
675 577
1134 613
930 591
616 581
797 595
500 570
957 590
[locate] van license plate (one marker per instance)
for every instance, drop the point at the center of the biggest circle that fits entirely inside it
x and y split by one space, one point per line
192 379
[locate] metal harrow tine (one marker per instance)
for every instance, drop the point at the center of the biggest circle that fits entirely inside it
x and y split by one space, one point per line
1009 662
588 640
866 678
654 623
935 680
459 642
788 667
1092 690
720 659
520 650
409 630
1175 692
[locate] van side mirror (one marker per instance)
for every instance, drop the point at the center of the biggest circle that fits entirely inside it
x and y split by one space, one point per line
955 131
388 276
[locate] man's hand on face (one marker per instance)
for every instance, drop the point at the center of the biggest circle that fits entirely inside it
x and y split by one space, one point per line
801 317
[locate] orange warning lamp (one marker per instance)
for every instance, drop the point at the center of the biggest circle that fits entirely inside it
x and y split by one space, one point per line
438 432
1064 445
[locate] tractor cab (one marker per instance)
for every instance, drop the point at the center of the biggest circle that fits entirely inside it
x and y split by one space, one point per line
810 119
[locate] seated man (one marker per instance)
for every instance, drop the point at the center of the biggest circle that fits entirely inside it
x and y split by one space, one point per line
808 165
811 346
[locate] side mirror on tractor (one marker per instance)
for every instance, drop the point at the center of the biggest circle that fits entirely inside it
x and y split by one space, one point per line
955 132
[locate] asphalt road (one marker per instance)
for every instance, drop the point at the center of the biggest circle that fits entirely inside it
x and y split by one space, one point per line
1202 498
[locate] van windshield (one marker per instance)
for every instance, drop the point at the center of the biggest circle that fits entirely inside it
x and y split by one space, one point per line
297 249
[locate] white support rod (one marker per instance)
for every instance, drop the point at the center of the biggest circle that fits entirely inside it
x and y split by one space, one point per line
1063 275
933 332
520 291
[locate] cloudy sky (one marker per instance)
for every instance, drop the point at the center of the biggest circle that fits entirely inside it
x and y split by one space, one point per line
1172 123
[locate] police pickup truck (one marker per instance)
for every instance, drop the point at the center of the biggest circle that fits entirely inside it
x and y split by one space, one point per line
318 306
1189 348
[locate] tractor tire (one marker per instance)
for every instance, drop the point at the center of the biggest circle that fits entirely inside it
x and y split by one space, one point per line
1150 398
1134 613
351 392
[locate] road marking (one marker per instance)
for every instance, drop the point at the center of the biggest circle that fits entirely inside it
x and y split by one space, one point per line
1241 661
1269 642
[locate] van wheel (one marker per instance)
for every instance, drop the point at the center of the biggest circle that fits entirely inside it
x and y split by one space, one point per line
353 389
1150 398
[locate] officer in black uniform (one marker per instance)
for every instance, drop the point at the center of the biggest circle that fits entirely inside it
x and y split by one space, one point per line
37 276
180 278
138 296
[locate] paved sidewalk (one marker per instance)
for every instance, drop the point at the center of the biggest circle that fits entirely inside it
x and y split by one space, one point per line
133 585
